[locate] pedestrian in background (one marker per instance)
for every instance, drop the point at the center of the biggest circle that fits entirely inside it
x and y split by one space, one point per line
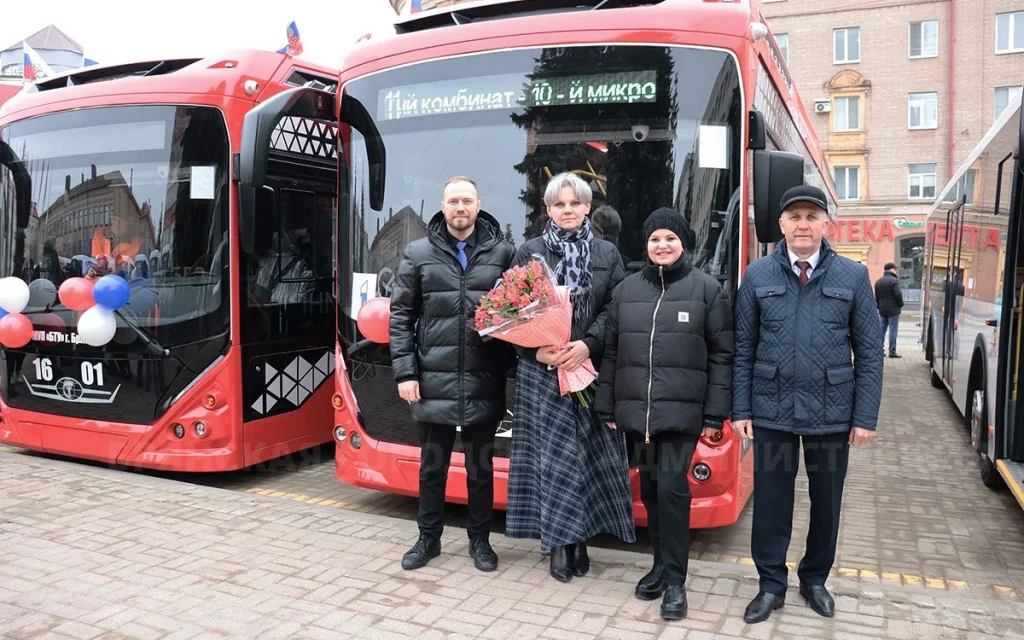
808 370
889 299
666 379
449 376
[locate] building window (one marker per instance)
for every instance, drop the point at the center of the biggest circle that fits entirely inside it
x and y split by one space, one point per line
846 45
923 110
921 183
964 186
782 39
924 39
1004 96
1010 32
847 181
847 116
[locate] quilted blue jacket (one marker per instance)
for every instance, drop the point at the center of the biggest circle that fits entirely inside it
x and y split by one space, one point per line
808 359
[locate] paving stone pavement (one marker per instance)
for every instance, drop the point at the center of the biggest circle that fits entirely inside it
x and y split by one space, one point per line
89 552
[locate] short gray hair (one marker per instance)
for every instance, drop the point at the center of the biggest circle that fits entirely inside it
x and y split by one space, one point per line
571 180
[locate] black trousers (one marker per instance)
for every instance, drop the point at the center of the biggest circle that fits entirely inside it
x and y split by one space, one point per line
776 462
436 455
664 467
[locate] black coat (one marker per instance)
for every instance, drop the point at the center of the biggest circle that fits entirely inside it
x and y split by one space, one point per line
462 378
668 353
608 272
888 295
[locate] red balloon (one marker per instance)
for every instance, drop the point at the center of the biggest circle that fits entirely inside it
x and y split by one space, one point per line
15 330
76 294
373 318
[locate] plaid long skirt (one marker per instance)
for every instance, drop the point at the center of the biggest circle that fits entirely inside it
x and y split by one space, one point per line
568 476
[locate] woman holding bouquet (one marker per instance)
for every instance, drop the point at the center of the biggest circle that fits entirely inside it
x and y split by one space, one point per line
568 475
666 378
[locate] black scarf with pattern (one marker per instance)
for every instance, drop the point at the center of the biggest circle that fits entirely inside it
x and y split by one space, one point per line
573 269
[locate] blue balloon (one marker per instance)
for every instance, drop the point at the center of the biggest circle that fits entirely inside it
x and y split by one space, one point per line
111 292
2 312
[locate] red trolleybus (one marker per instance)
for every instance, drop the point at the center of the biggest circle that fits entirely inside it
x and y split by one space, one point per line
654 102
971 314
223 355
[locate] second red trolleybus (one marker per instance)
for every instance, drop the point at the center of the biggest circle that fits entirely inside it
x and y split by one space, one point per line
653 102
224 353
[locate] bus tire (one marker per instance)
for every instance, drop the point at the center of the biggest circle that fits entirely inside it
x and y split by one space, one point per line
989 474
936 379
979 437
929 346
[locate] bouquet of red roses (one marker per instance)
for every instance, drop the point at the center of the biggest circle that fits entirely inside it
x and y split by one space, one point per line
527 309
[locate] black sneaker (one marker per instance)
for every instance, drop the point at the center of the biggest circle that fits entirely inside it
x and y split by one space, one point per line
426 549
484 558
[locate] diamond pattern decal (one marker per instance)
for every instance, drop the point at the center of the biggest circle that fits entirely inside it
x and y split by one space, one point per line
295 383
306 137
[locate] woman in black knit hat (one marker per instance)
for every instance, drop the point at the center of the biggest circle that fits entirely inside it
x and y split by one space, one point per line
666 378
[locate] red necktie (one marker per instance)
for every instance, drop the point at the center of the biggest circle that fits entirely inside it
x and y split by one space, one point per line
804 266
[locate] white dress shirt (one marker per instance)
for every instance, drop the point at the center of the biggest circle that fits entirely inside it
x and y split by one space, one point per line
813 261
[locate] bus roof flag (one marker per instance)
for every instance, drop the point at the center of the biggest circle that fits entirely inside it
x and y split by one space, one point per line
294 46
35 68
415 6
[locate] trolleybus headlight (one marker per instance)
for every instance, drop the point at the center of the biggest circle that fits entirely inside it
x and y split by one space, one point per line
339 433
701 472
179 431
356 440
337 401
200 429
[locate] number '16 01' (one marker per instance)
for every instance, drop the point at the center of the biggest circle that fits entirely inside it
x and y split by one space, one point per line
92 373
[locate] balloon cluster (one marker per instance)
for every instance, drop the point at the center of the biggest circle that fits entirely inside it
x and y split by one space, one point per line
97 301
15 328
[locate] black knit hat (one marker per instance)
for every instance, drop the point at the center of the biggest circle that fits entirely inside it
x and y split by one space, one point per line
665 218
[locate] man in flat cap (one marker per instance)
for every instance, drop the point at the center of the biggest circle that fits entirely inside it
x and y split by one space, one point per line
807 369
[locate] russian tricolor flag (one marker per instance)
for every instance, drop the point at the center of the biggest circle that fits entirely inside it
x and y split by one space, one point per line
415 6
35 68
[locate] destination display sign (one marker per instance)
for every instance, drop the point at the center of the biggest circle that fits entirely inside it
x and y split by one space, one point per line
509 91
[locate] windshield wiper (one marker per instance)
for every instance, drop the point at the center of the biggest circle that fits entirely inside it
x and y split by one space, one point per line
151 343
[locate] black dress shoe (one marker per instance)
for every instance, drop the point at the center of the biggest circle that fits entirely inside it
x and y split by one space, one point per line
673 606
561 563
652 585
819 599
580 560
761 607
895 355
484 558
425 549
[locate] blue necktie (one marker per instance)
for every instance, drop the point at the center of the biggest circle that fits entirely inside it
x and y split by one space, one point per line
461 244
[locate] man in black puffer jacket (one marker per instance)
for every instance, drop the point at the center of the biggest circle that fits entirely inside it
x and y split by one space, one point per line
666 377
444 370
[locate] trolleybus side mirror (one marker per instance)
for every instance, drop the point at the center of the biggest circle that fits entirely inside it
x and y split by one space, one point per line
22 184
758 139
355 114
774 173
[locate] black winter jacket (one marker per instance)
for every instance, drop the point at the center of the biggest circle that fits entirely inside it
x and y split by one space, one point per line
462 378
608 273
668 353
888 296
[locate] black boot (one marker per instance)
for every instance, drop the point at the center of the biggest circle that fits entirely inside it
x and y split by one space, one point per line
561 563
580 560
673 606
425 549
652 585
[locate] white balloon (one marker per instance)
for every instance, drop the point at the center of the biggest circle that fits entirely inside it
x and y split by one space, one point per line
41 293
14 294
97 326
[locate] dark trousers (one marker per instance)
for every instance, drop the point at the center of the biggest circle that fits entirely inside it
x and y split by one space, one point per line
776 462
892 323
664 467
435 456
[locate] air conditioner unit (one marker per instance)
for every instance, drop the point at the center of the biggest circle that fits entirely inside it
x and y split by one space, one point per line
822 106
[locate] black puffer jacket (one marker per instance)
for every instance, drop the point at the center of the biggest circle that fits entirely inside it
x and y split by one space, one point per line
462 378
668 352
608 273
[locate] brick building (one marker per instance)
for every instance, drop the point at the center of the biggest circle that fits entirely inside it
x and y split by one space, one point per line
899 92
